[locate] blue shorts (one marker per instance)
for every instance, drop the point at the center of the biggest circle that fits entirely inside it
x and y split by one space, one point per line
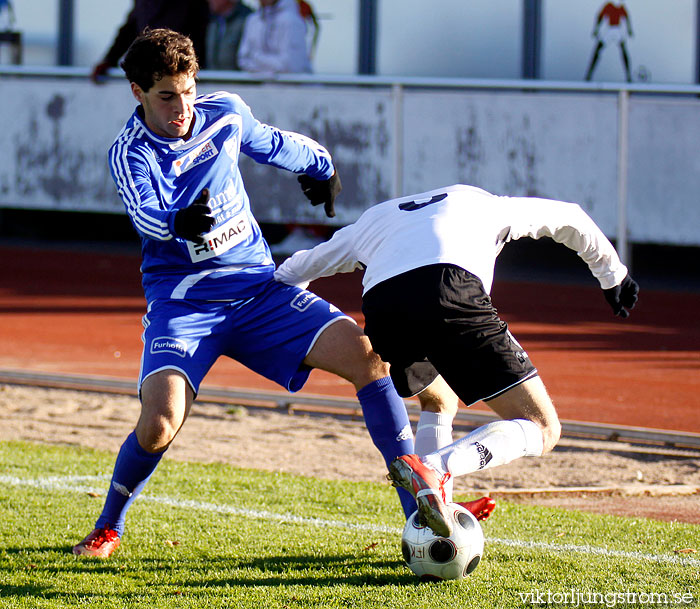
270 333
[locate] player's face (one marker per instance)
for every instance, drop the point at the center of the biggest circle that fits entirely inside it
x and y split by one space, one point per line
168 105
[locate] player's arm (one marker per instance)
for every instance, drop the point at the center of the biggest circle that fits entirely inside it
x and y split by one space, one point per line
294 152
151 219
570 225
132 176
328 258
284 149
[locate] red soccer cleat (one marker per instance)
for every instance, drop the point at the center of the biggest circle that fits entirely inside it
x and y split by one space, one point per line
100 543
481 508
409 472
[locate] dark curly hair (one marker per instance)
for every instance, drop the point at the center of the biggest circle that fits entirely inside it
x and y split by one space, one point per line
157 53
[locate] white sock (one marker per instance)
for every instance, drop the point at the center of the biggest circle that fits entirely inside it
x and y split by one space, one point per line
491 445
433 432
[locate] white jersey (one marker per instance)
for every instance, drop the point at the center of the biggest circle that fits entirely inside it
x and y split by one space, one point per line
460 225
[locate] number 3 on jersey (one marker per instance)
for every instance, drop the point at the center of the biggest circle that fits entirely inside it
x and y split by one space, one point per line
414 205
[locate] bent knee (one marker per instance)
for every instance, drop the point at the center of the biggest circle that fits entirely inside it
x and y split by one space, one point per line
551 432
156 432
362 364
344 349
438 397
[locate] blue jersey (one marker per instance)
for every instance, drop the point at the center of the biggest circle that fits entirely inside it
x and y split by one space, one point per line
157 176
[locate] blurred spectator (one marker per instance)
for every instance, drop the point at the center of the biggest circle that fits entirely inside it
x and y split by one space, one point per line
312 26
189 17
7 15
224 33
274 39
279 37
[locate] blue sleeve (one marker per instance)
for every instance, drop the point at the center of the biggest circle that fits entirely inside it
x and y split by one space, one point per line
284 149
132 176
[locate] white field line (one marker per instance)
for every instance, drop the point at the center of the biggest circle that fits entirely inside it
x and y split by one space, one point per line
79 484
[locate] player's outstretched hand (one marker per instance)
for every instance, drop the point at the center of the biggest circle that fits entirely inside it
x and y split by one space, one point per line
195 219
322 191
623 296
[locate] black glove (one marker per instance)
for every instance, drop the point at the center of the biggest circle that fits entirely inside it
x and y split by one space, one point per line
623 295
322 191
195 219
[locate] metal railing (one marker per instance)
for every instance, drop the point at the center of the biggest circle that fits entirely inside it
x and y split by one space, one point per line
400 86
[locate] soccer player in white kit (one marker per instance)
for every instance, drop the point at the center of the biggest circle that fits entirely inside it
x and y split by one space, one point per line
428 264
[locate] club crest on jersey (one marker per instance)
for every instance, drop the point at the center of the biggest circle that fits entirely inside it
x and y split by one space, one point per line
303 301
193 158
167 344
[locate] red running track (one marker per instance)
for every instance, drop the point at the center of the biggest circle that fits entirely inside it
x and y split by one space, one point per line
80 313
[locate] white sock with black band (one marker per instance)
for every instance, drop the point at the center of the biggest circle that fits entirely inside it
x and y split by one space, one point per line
489 446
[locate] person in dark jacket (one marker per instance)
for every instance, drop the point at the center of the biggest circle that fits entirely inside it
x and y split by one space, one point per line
189 17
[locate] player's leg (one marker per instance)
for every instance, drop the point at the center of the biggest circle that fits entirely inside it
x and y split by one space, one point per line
399 320
284 332
480 360
477 356
530 428
530 401
438 397
434 429
168 381
343 349
166 399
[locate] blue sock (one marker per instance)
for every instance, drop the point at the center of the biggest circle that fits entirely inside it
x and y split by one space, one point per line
389 427
132 470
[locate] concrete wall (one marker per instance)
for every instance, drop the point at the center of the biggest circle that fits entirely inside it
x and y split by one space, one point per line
387 140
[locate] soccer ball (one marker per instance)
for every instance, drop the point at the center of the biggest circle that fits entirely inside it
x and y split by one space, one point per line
434 558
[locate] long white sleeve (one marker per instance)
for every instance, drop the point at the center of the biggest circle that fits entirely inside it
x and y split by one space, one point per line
568 224
326 259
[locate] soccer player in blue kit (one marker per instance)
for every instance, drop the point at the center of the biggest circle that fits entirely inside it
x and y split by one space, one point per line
208 273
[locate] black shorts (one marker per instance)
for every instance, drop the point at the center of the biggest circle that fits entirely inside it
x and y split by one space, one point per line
438 319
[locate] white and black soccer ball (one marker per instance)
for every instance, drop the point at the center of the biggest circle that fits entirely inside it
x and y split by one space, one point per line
434 558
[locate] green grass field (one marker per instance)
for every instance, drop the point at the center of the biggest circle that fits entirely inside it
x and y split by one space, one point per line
216 536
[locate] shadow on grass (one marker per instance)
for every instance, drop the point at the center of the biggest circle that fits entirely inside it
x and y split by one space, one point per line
190 575
304 569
